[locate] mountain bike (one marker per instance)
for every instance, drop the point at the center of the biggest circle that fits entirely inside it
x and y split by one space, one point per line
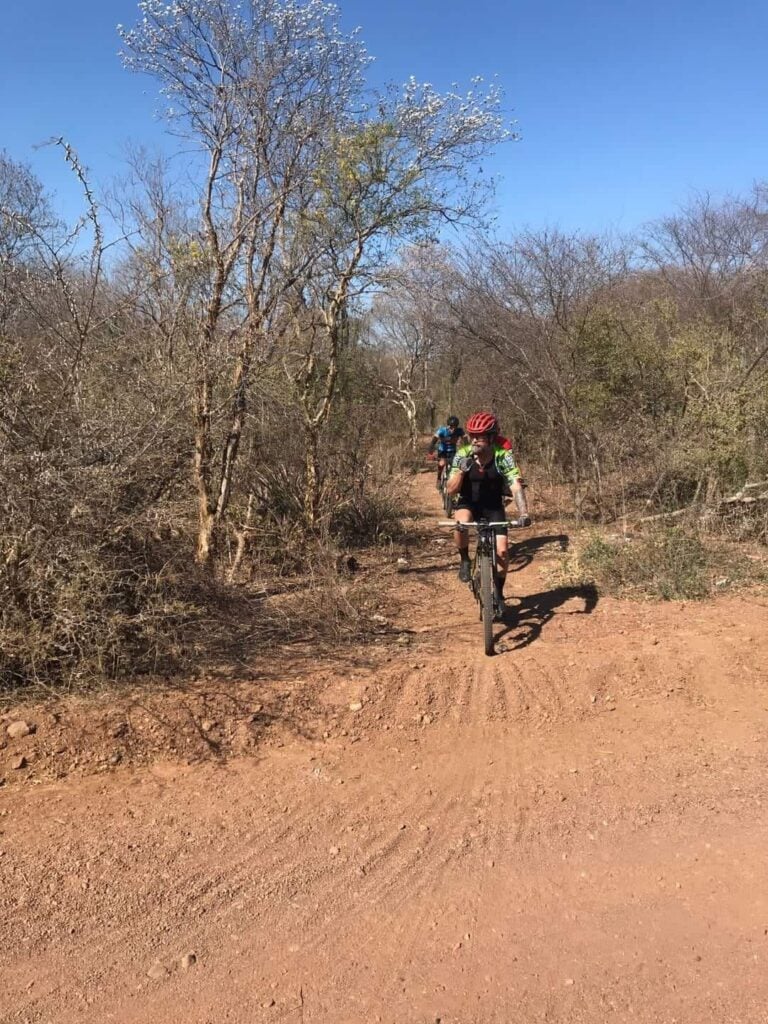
445 497
483 571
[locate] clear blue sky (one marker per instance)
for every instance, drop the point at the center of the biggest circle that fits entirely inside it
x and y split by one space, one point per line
625 108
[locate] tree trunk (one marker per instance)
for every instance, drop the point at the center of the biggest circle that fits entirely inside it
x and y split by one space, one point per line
242 540
213 499
311 479
206 539
413 428
578 494
597 476
206 519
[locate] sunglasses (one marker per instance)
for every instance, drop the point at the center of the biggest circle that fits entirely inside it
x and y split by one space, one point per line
479 437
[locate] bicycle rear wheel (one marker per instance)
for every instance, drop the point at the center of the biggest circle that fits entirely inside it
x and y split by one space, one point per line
486 601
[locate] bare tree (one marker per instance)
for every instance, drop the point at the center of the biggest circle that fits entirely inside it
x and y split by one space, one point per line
404 349
310 184
257 88
528 307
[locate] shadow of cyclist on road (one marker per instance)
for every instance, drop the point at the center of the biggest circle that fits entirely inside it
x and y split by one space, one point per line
524 622
521 552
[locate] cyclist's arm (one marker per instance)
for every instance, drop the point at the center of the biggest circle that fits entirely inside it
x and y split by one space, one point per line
511 474
433 442
519 495
456 479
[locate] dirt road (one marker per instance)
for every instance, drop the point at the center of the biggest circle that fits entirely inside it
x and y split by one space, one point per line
572 831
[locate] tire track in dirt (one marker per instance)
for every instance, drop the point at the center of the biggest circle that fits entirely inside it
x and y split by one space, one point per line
398 871
493 819
502 830
465 786
393 860
192 896
483 736
235 873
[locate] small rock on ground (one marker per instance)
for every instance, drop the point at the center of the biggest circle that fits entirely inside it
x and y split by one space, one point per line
18 729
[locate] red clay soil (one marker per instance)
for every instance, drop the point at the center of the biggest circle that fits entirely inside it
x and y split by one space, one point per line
572 831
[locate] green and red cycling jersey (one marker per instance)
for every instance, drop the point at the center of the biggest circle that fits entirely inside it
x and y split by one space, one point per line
487 485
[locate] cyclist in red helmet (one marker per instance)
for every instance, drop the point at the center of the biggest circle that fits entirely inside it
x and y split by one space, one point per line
482 474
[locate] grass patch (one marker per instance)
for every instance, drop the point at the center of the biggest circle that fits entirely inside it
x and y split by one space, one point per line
669 564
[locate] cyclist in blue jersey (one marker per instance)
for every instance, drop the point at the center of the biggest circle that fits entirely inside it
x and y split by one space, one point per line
446 439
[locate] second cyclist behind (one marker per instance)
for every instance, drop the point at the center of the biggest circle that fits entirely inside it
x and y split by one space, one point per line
446 439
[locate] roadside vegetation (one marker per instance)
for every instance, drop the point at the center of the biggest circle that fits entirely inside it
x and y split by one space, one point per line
214 383
662 563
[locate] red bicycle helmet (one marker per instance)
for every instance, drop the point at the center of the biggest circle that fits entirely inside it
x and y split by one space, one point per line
482 423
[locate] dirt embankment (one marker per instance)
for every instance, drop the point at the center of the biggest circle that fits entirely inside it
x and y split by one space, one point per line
572 831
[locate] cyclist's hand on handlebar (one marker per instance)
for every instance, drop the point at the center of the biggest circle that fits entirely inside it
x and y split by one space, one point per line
524 520
466 464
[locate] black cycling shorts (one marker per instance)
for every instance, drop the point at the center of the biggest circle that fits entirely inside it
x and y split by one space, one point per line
492 515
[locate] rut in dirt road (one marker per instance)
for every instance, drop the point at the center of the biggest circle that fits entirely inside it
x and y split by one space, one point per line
573 830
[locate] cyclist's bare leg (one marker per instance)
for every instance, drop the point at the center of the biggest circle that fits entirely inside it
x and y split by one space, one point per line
502 558
441 464
463 515
502 563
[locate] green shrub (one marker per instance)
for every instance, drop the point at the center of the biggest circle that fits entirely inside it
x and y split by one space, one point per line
668 563
373 517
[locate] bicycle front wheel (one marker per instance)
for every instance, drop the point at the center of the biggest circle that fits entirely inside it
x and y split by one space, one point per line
486 601
447 503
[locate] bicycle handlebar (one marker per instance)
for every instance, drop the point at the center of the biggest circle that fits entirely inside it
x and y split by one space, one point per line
469 526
